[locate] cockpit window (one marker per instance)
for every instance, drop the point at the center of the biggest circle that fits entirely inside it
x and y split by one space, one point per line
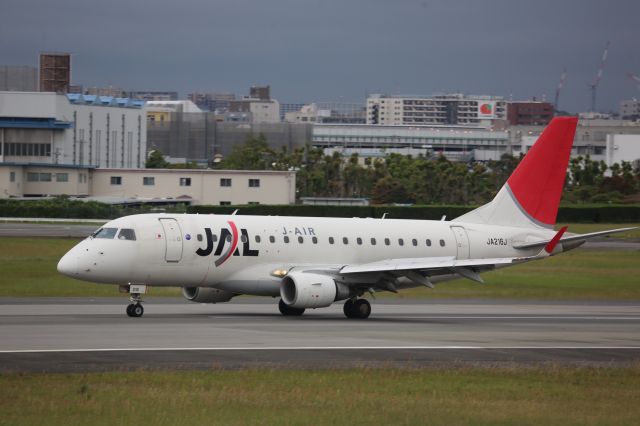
108 233
127 234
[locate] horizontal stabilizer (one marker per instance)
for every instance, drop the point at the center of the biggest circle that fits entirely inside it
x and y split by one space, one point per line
572 238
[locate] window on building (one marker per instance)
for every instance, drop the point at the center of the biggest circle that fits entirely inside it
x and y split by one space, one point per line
62 177
12 176
116 180
254 183
225 203
225 182
185 181
148 180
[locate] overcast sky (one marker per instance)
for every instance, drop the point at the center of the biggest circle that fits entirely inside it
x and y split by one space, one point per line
336 50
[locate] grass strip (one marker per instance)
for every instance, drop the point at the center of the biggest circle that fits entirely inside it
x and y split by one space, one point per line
531 396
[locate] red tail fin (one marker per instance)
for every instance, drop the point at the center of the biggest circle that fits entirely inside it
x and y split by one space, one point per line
538 180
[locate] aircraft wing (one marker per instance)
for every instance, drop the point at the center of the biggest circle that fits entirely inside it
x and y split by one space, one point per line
572 238
419 270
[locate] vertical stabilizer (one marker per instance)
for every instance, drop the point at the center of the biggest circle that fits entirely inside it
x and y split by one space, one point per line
531 195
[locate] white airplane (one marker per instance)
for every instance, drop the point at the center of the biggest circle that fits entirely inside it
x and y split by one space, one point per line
313 262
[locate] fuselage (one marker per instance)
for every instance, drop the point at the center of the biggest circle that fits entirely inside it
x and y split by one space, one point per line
248 254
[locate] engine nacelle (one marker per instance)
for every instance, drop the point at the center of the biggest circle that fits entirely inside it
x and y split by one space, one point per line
307 290
206 295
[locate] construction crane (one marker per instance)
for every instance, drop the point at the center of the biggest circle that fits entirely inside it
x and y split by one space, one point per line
563 78
635 78
594 85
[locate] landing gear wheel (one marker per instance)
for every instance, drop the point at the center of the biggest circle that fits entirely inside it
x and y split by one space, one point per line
138 310
135 310
287 310
347 308
360 309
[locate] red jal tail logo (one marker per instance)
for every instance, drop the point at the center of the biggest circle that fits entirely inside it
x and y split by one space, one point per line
230 237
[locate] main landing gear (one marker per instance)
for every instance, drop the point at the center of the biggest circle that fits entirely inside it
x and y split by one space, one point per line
357 308
287 310
135 309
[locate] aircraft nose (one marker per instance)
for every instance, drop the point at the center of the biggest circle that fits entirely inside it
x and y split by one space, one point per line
68 265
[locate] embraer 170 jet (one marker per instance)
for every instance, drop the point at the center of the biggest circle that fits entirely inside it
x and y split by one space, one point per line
313 262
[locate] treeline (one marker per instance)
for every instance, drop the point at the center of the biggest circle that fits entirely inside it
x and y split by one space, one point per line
425 180
64 208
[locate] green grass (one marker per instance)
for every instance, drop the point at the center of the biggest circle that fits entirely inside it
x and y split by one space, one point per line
530 396
28 268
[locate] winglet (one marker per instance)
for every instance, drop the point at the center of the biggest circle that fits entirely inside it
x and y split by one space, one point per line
554 241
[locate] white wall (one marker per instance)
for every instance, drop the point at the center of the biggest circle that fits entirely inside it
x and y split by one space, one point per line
622 148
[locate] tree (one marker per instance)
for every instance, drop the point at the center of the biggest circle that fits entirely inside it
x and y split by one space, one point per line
156 160
254 154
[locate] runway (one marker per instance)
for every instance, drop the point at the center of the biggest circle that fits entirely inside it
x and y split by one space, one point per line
96 335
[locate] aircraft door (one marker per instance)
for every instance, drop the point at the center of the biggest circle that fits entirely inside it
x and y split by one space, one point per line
462 241
173 240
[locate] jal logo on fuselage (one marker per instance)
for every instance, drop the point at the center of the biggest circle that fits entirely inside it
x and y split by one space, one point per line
224 250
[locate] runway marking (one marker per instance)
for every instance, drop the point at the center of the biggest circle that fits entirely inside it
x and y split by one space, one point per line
315 348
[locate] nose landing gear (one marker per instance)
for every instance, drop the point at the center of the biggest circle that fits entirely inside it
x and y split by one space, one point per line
135 309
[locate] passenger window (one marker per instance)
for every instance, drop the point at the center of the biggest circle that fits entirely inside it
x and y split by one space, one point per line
228 238
359 241
214 238
243 238
441 243
373 241
428 242
300 240
107 233
127 234
199 237
400 241
330 240
414 242
345 240
315 240
387 242
286 239
257 238
272 239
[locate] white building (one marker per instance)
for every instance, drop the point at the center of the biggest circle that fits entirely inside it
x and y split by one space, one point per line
192 186
457 143
72 129
623 148
453 109
307 114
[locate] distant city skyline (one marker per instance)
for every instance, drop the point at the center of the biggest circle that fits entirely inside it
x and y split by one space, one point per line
326 50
